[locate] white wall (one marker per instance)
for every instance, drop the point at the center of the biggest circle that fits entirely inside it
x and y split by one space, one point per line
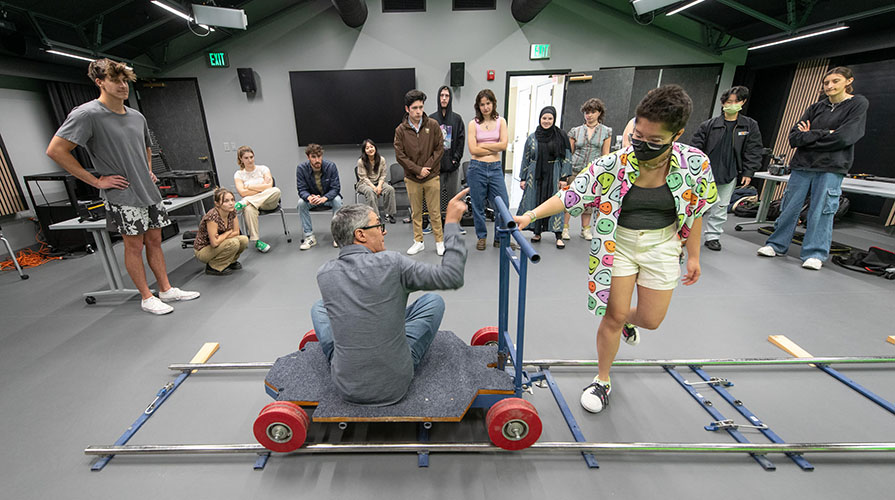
311 36
26 125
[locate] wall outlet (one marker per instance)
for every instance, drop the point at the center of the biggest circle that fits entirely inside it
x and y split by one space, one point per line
226 147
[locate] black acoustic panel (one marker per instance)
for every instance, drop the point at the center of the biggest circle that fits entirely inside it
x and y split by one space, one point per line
403 5
475 5
458 74
644 81
701 84
875 81
612 86
247 80
373 99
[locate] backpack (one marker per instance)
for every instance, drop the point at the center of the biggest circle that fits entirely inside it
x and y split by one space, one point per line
748 207
740 193
875 261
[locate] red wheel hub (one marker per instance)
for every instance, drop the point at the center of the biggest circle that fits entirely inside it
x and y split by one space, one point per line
513 424
485 336
281 426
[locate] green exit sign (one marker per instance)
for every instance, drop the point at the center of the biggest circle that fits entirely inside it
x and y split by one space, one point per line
217 60
540 51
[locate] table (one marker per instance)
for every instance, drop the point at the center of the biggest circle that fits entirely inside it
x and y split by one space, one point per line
862 186
107 254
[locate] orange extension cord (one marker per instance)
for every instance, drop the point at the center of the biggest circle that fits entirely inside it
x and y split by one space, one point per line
29 258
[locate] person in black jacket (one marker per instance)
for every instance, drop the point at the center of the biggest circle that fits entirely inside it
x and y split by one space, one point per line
824 139
732 142
453 130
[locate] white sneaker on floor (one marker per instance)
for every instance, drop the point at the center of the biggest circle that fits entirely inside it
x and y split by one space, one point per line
814 264
174 294
308 242
587 234
439 248
335 245
417 247
767 251
595 397
565 233
155 306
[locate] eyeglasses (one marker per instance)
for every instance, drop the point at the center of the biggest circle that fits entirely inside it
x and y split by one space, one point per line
381 227
651 145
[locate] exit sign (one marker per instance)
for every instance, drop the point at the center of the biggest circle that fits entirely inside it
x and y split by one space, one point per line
540 51
217 60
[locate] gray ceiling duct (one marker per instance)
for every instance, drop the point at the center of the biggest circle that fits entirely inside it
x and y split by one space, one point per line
353 12
526 10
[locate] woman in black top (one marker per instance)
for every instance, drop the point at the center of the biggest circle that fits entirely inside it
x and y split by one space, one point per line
824 139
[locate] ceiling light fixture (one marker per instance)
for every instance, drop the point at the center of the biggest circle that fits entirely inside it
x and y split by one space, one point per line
173 10
685 7
73 56
800 37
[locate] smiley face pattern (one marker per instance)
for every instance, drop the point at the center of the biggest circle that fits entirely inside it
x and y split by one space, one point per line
604 184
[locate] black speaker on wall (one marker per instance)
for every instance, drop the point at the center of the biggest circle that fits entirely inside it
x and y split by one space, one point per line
246 79
458 72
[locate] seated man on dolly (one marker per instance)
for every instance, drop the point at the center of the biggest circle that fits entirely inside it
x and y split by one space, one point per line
373 340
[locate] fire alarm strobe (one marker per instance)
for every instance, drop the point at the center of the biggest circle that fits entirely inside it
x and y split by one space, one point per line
490 75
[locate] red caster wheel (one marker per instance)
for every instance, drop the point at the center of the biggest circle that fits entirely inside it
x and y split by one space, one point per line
513 424
281 426
485 336
311 336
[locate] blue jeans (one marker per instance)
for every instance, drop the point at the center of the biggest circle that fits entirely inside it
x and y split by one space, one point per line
714 218
486 182
825 189
421 321
304 210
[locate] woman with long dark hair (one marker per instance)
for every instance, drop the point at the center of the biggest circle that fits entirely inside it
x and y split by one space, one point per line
486 139
824 138
371 173
546 162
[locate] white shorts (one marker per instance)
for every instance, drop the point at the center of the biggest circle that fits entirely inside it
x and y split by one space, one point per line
654 255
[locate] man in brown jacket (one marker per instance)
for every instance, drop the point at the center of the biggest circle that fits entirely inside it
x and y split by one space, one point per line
419 146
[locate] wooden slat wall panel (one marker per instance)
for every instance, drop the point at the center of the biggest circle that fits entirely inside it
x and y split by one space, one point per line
11 198
805 89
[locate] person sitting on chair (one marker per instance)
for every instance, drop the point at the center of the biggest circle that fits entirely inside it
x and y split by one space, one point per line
371 183
218 242
255 185
317 181
373 340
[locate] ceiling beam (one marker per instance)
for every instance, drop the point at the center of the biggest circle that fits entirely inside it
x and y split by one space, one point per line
780 25
809 6
791 12
134 34
107 11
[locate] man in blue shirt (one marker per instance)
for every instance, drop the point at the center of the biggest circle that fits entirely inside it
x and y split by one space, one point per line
317 181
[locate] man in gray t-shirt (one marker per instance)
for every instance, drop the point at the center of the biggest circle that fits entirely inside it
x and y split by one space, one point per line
117 139
364 325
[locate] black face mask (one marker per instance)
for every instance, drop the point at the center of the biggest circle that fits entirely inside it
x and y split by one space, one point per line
647 151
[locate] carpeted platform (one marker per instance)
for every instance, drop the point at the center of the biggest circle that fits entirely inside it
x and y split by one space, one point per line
447 381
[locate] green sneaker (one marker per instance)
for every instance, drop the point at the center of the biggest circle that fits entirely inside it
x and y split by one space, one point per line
239 206
262 247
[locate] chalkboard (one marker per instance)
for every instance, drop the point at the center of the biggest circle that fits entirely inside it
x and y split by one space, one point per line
612 86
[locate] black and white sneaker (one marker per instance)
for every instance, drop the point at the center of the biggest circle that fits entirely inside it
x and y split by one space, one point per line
596 397
631 334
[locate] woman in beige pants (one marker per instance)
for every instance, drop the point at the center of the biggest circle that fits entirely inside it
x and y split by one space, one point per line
218 242
255 185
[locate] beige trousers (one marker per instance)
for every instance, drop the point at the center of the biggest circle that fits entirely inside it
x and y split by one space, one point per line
431 191
224 254
265 200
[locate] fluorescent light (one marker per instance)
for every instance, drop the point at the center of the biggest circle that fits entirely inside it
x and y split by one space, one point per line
685 7
73 56
173 10
800 37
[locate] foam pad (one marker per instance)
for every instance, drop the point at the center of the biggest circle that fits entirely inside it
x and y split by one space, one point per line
444 385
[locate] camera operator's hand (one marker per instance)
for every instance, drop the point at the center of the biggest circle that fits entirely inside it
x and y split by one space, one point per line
456 207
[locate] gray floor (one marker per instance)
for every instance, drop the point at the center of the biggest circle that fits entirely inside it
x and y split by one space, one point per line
75 375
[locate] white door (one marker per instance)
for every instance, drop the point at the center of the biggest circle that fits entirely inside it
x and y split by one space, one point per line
521 130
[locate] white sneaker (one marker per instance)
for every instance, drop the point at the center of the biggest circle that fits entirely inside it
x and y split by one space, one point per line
631 334
417 247
308 242
174 294
462 231
155 306
565 233
814 264
587 234
767 251
439 248
335 245
595 397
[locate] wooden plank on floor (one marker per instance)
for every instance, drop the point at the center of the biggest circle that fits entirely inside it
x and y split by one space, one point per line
789 346
891 339
207 350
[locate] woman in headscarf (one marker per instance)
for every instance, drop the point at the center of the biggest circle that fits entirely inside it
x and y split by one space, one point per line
546 165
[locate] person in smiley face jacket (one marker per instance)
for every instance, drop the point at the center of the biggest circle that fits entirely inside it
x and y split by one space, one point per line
650 198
